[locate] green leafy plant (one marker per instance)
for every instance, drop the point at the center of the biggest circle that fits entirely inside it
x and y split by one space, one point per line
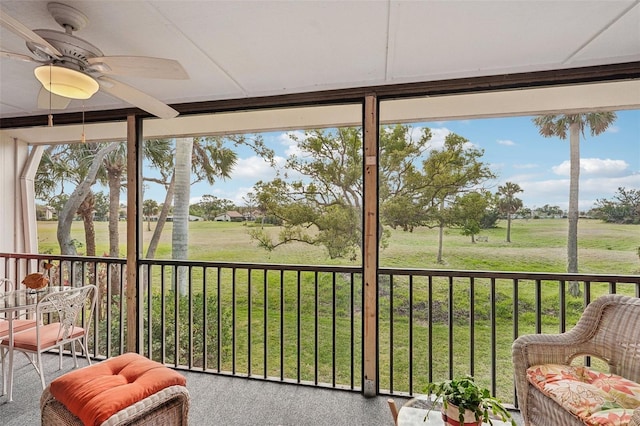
466 394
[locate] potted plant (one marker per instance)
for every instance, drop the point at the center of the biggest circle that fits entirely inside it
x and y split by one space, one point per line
464 402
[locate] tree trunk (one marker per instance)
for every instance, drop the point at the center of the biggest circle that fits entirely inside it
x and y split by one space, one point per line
114 178
573 213
440 235
180 235
86 213
66 215
508 227
162 219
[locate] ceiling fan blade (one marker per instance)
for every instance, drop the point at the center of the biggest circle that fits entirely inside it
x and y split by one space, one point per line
48 100
17 56
137 98
139 66
20 29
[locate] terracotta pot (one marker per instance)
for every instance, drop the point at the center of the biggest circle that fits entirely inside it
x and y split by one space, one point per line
451 417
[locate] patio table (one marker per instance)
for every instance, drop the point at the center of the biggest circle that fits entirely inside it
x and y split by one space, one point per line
414 411
11 304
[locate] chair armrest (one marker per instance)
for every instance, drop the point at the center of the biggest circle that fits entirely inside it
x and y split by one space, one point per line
535 349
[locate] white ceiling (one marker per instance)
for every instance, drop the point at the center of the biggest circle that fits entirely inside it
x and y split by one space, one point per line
239 49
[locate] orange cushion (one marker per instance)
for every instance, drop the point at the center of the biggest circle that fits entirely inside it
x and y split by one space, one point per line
17 325
49 337
97 392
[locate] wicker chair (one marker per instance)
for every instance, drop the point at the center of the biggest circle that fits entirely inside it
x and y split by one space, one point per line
168 407
609 329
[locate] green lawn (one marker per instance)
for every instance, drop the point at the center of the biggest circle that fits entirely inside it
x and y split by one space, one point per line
536 246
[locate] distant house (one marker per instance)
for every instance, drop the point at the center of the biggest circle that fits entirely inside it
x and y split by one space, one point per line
49 212
230 216
253 215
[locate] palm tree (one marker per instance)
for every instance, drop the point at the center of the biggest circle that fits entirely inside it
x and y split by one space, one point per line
115 167
557 125
508 203
180 234
210 159
200 158
149 208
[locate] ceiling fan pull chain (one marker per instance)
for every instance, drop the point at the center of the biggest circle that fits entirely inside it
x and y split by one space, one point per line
82 138
50 113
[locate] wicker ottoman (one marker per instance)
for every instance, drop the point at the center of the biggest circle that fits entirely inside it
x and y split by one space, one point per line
125 390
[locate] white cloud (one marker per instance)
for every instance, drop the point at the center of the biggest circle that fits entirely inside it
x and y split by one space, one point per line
595 187
608 167
415 133
254 168
612 129
594 167
239 194
563 169
555 192
291 144
506 142
496 167
438 135
537 193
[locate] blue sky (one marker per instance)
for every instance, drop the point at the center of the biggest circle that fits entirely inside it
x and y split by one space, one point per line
513 149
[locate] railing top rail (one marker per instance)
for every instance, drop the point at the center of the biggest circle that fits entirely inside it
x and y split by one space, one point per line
253 266
555 276
33 256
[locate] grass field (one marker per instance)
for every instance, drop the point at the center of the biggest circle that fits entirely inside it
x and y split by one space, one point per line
536 246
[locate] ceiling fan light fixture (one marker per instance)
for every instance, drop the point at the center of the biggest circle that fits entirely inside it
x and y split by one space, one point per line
66 82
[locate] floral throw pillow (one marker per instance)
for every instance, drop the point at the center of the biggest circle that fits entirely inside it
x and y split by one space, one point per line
596 398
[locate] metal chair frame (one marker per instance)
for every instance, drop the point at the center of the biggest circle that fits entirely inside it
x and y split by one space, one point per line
68 308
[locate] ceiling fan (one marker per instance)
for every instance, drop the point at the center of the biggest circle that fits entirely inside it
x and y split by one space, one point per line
72 68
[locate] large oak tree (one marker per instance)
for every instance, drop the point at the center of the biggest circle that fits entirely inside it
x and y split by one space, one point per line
323 205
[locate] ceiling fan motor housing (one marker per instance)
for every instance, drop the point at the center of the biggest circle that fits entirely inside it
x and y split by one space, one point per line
75 51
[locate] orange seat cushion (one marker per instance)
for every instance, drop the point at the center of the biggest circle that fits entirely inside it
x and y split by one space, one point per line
97 392
17 325
49 336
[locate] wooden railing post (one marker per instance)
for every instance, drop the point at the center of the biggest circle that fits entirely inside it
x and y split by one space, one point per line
370 242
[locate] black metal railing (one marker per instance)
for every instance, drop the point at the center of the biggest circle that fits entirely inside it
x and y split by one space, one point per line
289 323
437 324
304 324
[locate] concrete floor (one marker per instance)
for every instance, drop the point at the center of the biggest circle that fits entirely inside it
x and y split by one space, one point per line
220 400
